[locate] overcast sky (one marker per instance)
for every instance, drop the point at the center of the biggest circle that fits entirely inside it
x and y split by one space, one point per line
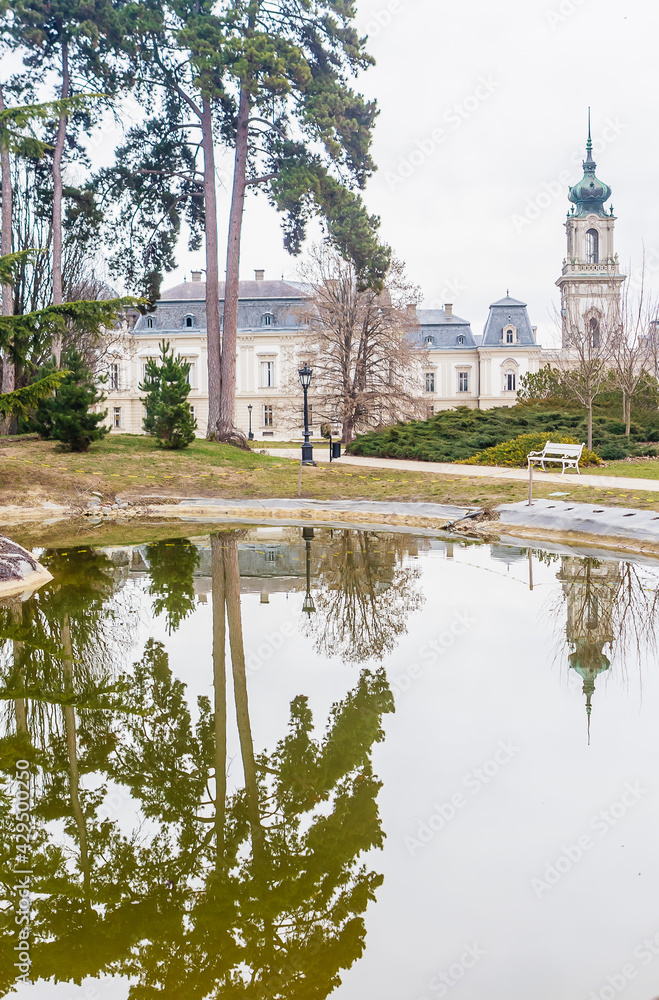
482 128
508 86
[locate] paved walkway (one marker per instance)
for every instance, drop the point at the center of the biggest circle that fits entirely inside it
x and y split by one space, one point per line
568 481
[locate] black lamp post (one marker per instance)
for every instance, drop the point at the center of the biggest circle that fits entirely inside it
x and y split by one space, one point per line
307 448
250 435
309 607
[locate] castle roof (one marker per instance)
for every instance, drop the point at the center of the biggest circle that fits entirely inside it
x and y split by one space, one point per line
193 291
446 331
508 311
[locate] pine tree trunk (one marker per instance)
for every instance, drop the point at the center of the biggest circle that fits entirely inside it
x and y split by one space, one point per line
8 369
57 199
72 753
624 406
232 580
590 425
226 430
214 347
219 687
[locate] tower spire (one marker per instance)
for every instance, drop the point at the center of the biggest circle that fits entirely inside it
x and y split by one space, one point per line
589 163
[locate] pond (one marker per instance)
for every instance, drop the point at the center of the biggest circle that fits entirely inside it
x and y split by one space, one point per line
295 762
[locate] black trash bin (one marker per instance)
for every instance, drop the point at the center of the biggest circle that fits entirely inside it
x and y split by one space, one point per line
336 449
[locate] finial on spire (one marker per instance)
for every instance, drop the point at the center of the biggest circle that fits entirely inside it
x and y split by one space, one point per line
507 293
590 141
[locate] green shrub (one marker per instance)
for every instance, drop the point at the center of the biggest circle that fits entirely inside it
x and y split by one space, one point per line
514 453
67 416
645 451
613 452
168 415
456 435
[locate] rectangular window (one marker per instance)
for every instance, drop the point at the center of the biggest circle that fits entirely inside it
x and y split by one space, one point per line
116 417
192 412
463 381
114 376
430 381
192 373
267 374
509 382
267 416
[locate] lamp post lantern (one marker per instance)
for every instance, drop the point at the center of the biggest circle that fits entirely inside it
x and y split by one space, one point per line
306 374
309 607
249 409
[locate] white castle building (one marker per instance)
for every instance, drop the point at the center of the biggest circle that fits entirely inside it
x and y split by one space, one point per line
461 368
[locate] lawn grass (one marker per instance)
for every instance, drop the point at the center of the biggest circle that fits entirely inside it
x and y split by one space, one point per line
132 467
635 468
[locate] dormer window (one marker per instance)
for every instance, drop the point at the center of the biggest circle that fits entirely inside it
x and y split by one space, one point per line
429 341
149 322
510 334
267 319
188 322
592 247
461 341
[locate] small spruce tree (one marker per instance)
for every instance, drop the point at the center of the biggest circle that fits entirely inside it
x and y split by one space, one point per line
67 416
168 415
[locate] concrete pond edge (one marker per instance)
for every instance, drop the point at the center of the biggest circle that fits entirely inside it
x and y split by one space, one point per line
614 528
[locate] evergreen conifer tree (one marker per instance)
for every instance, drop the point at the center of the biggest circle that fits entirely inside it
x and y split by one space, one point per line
67 416
168 415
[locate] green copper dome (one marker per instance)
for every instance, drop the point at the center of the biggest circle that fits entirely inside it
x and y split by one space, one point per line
590 193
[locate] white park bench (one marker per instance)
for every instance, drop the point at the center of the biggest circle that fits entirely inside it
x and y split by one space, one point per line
567 455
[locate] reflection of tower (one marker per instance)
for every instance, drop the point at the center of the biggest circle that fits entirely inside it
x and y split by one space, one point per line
590 589
591 278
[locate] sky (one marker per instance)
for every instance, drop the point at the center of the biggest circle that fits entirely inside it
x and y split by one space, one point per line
482 127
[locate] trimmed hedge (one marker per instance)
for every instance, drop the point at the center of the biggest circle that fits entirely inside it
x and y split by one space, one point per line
456 435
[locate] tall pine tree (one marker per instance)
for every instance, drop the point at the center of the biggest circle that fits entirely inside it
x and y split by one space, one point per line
67 416
168 415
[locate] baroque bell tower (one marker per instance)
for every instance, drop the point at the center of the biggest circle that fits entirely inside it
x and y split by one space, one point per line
591 280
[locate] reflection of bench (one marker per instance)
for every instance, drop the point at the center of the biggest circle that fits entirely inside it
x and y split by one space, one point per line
567 455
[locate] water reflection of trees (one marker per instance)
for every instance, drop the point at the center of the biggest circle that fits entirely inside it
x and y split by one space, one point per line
367 589
253 891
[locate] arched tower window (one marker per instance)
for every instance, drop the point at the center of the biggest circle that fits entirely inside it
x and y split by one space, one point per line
592 247
594 332
149 322
188 321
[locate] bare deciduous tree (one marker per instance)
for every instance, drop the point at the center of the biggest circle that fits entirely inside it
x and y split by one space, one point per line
584 364
365 358
632 346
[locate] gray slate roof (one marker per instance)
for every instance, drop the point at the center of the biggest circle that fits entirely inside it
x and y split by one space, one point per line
191 291
503 312
445 331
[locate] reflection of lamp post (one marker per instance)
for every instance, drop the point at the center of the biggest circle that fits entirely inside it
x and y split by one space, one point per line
307 449
308 606
249 409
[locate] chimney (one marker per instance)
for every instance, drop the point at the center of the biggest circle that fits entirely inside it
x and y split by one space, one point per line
448 310
259 275
196 275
